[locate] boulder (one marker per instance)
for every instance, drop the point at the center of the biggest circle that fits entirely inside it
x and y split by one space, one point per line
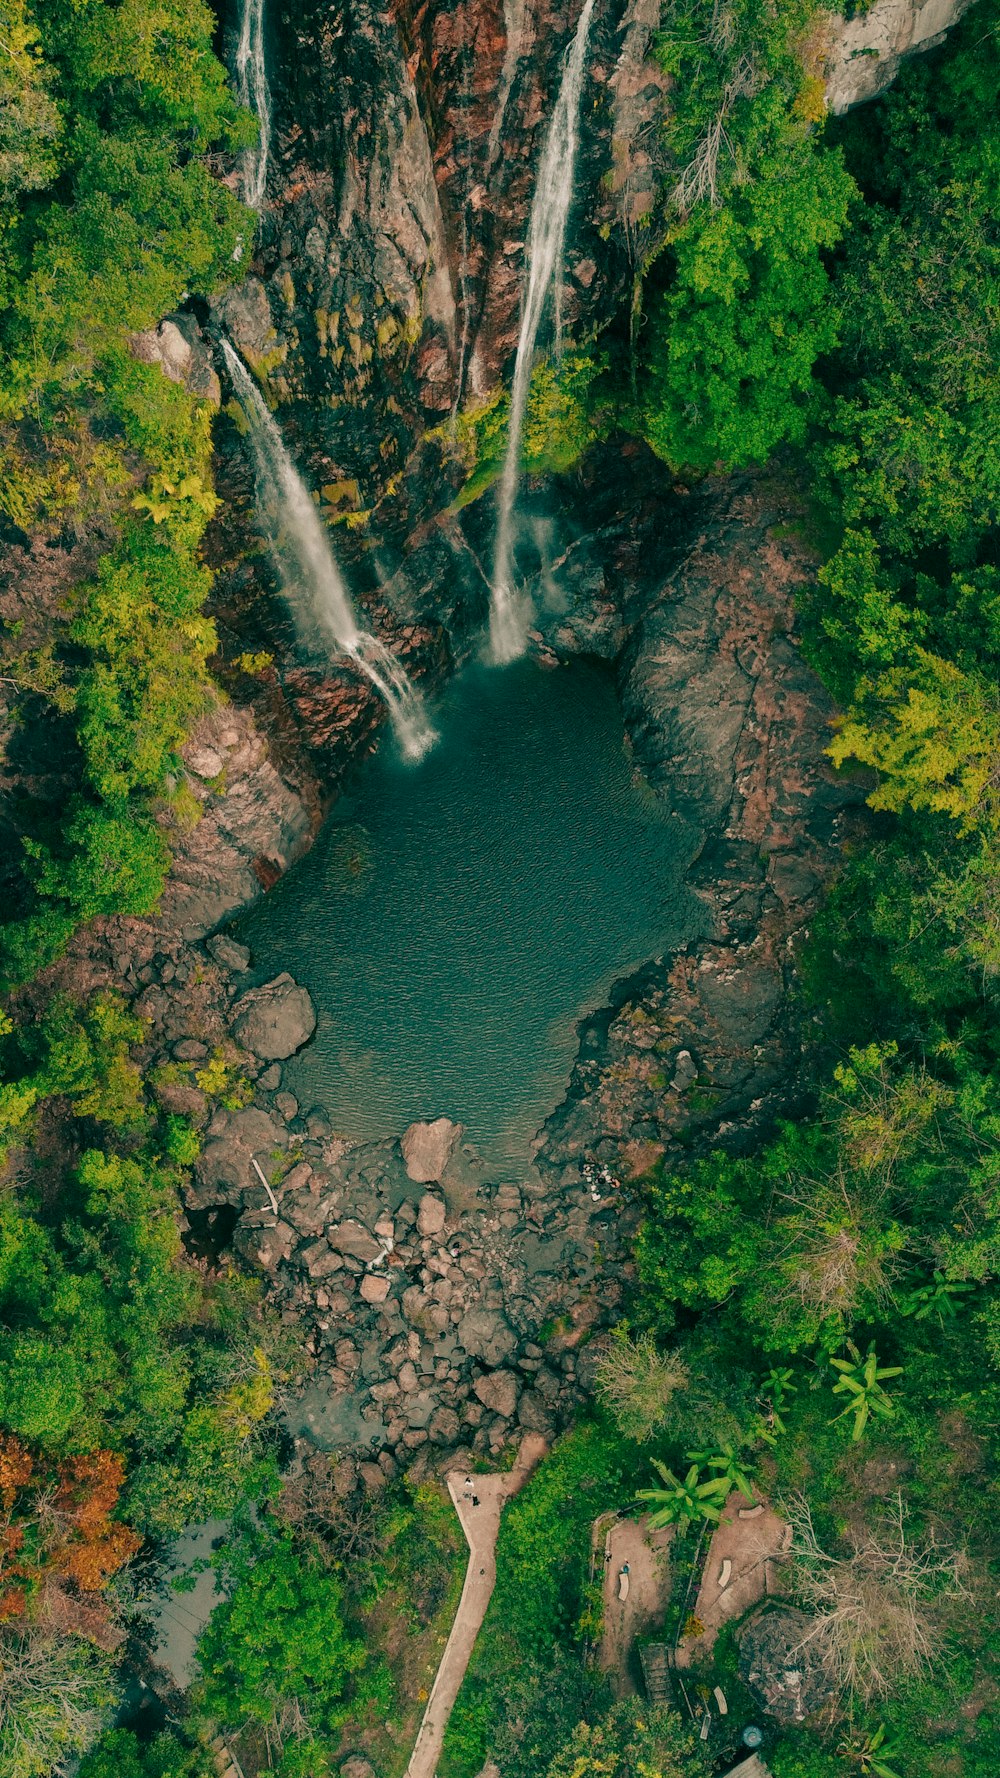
685 1071
354 1239
275 1020
319 1260
427 1149
374 1287
246 316
182 1099
356 1766
228 953
498 1391
204 762
444 1426
533 1414
486 1334
431 1215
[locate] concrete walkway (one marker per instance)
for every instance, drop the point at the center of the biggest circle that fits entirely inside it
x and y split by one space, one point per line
481 1524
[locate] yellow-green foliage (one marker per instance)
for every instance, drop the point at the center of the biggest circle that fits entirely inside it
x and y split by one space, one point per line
932 733
562 418
108 114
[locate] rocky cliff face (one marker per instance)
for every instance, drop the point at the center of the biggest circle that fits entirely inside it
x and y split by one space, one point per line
866 46
384 293
386 285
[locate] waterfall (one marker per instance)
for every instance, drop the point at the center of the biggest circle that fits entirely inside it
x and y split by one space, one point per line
311 574
544 254
252 91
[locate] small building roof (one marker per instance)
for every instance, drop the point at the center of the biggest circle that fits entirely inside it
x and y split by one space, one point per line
752 1767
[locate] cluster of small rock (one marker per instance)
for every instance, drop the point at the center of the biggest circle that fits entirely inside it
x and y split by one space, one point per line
440 1306
426 1311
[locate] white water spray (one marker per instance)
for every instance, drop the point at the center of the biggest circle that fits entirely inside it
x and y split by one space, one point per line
253 91
316 592
509 614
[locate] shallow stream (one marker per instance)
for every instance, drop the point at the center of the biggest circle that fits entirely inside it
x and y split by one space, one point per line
457 918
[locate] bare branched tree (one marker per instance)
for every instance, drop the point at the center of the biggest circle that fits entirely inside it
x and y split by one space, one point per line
636 1381
344 1520
721 33
879 1609
54 1693
700 178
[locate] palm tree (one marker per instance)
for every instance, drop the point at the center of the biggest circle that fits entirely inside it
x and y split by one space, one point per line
688 1502
861 1381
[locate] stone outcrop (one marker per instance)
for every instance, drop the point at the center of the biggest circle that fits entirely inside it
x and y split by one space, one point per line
865 48
254 820
178 346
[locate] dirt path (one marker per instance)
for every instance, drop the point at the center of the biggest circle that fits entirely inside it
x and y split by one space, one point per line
481 1524
646 1552
741 1567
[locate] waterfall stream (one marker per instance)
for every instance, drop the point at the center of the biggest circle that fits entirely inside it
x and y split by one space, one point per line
315 589
252 91
509 613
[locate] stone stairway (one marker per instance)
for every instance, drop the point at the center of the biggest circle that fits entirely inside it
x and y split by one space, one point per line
656 1664
226 1764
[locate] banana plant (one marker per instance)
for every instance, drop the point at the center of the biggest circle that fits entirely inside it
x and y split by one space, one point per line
870 1755
778 1385
725 1461
690 1501
861 1380
938 1297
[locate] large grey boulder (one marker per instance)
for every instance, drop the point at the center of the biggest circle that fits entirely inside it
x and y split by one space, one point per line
353 1238
431 1215
228 952
275 1020
498 1391
427 1149
485 1334
182 353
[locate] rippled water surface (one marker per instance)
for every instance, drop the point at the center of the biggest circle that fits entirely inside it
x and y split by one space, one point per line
457 918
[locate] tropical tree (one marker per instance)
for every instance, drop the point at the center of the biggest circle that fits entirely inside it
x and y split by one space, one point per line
940 1296
278 1652
778 1385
